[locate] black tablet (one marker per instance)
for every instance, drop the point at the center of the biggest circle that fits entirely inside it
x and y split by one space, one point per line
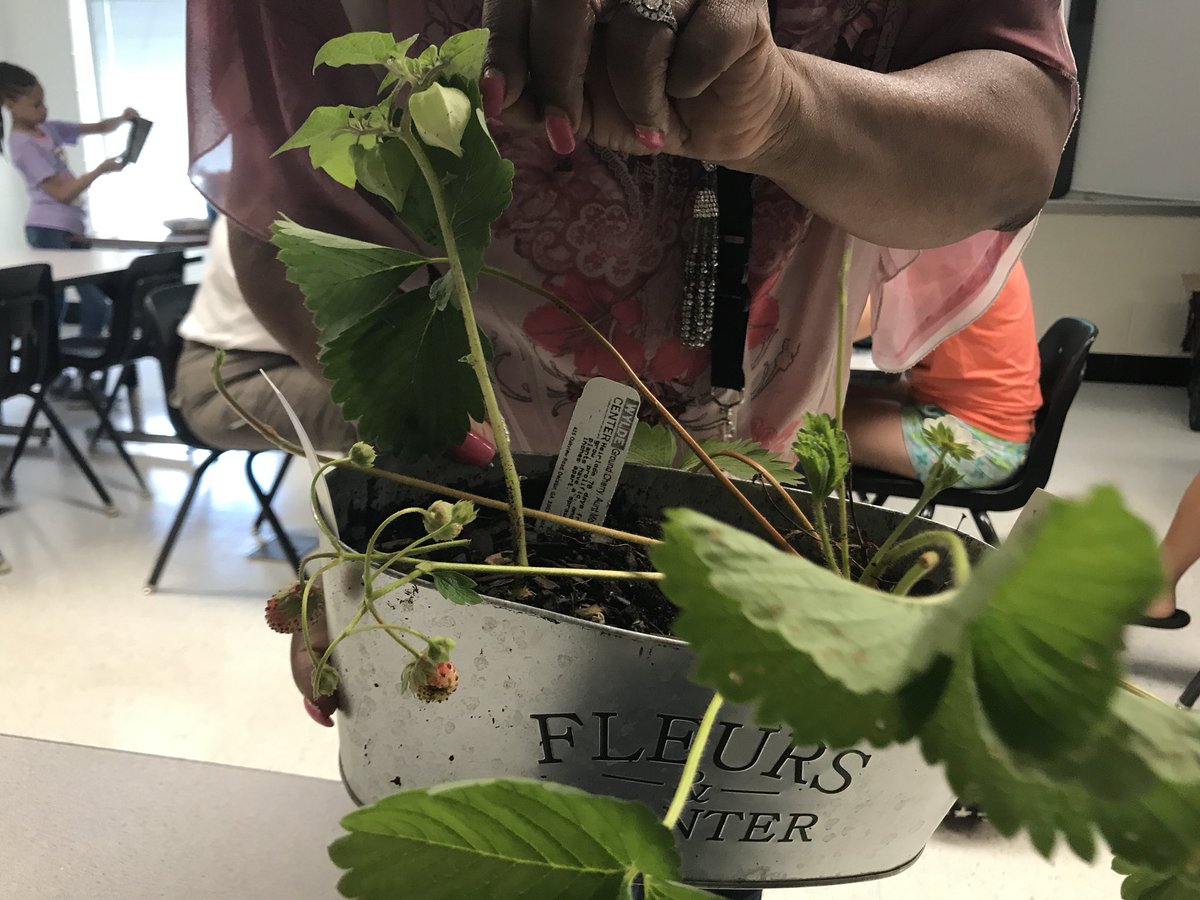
138 131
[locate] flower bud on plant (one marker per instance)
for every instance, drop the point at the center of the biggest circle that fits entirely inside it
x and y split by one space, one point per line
439 515
362 455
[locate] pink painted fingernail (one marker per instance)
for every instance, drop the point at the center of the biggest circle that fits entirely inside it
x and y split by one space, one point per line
559 132
316 715
476 450
492 86
651 138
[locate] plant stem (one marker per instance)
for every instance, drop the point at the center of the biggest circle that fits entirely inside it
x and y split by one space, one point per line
512 480
648 395
777 485
950 543
269 434
840 400
424 566
823 531
693 762
922 567
368 569
871 573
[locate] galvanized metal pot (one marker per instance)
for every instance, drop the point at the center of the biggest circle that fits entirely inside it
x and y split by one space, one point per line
613 712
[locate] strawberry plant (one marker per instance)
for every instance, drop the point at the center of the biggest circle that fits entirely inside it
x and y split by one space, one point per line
1011 678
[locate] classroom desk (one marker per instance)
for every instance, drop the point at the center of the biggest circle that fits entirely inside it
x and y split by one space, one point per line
107 825
68 267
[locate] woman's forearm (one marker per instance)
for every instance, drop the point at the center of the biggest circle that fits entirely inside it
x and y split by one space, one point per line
923 157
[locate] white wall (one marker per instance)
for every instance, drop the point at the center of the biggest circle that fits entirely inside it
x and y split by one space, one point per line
1122 272
36 34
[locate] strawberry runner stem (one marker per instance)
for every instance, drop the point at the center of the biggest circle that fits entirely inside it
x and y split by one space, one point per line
478 358
692 764
273 437
659 407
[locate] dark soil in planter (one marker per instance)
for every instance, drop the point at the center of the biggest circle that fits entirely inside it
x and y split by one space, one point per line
632 605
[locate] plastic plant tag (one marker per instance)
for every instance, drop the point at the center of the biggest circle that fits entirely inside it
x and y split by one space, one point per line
310 454
1033 511
593 452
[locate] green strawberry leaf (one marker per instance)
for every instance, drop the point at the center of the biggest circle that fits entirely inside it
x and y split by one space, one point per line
506 840
477 185
398 372
1145 884
362 48
386 170
823 454
653 445
462 54
1156 826
457 588
331 133
1047 650
774 629
343 280
784 472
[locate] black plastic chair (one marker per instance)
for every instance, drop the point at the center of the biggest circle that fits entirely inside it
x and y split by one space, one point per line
1064 351
125 342
29 342
162 310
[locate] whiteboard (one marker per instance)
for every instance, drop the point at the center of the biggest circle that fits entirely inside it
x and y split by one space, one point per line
1140 130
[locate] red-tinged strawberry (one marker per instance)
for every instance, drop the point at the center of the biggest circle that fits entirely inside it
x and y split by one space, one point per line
431 682
284 606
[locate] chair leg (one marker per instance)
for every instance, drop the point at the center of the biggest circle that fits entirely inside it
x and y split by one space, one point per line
110 400
22 440
984 523
65 436
106 427
275 485
1191 693
264 502
880 499
177 525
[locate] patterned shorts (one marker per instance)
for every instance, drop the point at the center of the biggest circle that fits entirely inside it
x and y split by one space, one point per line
996 464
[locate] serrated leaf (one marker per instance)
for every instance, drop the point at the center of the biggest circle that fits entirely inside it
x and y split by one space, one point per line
462 54
397 372
783 471
343 280
321 124
1157 827
836 661
1144 884
822 454
652 445
457 588
333 156
1047 650
386 170
360 48
505 840
478 188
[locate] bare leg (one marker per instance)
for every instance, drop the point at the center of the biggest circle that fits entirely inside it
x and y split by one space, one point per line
876 436
1180 548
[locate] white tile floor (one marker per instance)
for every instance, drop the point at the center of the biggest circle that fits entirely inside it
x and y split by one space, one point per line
192 672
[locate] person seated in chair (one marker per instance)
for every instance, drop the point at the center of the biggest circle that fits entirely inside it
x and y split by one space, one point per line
220 319
982 382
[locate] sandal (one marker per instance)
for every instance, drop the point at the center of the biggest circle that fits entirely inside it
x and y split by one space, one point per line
1176 620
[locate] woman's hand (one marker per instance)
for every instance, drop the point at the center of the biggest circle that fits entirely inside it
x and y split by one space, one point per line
709 89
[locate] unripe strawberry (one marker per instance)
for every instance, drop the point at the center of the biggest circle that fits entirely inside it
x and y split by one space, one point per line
284 606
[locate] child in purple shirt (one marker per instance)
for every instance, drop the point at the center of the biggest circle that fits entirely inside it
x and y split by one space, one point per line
57 218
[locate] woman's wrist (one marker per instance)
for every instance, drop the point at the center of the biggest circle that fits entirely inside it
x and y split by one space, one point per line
781 137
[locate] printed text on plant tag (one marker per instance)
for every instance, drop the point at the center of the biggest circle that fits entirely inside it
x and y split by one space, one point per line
593 452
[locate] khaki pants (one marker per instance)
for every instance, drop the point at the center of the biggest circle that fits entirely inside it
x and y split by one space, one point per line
215 422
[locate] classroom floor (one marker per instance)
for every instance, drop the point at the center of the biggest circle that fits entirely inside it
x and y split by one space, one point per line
192 672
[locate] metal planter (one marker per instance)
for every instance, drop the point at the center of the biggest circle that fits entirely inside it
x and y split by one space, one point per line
548 697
